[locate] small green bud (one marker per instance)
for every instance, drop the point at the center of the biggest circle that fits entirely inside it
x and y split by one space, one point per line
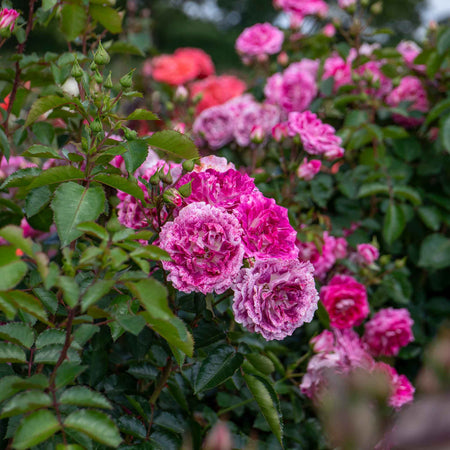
101 56
188 165
173 197
93 66
96 126
154 179
166 178
127 80
77 71
186 189
130 135
376 8
169 106
108 83
98 77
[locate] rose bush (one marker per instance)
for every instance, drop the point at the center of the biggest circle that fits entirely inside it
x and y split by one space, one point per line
195 259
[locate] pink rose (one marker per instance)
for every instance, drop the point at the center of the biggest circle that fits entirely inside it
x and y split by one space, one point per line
218 163
307 170
329 30
275 297
323 342
367 253
214 126
339 69
411 90
204 243
317 137
8 19
8 167
373 80
346 3
345 301
280 131
267 231
304 8
260 39
410 51
388 331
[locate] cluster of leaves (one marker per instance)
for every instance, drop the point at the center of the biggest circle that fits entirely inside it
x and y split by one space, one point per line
96 349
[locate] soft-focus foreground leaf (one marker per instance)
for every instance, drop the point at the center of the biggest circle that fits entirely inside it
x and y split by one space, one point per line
73 20
74 204
96 425
35 428
435 252
394 223
174 142
267 401
217 367
108 17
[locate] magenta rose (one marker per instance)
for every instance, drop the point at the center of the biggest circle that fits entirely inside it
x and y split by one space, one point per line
8 19
388 331
318 138
206 248
367 253
267 231
410 51
275 297
260 39
345 301
215 126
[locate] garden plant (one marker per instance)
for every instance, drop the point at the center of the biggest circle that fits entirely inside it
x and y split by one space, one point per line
199 260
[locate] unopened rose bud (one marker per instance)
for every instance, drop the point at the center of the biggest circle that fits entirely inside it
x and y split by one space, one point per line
173 197
367 253
96 126
283 59
129 134
257 134
108 83
329 30
181 94
185 190
309 169
180 127
219 438
166 178
280 132
101 56
70 87
93 66
188 165
154 179
8 19
98 77
433 25
127 80
376 8
77 71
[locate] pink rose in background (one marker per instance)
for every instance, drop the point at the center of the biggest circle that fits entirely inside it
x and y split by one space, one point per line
317 137
222 189
202 61
346 3
304 8
280 131
323 342
401 389
215 126
267 231
8 19
204 243
218 163
388 331
373 80
329 30
216 90
8 167
411 90
307 170
272 89
367 253
275 297
410 51
260 39
345 301
339 69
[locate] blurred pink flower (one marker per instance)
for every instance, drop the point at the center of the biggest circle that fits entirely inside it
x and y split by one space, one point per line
260 39
307 170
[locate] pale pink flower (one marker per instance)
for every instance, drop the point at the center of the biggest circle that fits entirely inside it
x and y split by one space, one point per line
345 301
215 126
218 163
304 8
8 19
329 30
388 331
367 253
8 167
346 3
260 39
339 69
275 297
280 131
204 243
323 342
307 170
317 137
410 51
267 231
411 90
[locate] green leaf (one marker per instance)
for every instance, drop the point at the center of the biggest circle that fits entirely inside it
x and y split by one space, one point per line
47 5
74 204
151 252
120 183
267 401
144 371
56 175
174 142
430 216
4 144
10 353
444 132
441 107
7 307
50 337
67 372
38 381
27 303
94 229
36 200
73 20
7 388
394 223
372 189
443 43
126 48
108 17
142 114
323 316
44 104
435 252
11 274
17 333
217 367
35 428
14 235
136 155
96 425
51 353
25 402
41 151
47 298
21 177
394 132
153 297
71 290
83 396
95 292
261 363
408 193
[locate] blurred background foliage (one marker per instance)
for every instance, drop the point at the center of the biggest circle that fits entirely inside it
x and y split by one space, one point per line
214 25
